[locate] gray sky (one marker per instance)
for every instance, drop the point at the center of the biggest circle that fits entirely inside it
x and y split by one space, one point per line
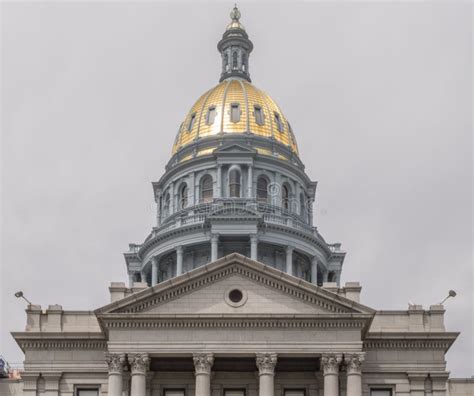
378 94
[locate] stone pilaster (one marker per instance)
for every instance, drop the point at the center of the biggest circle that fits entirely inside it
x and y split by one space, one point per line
115 362
139 364
202 368
266 363
330 365
354 373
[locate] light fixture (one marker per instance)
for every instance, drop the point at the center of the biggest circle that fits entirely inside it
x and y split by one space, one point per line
19 294
451 293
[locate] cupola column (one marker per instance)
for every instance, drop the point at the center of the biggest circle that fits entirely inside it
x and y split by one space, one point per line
154 270
116 362
254 247
354 373
289 260
250 182
202 369
179 260
139 364
266 363
330 364
314 270
219 181
214 247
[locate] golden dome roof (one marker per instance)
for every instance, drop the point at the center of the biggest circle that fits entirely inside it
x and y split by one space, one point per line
235 106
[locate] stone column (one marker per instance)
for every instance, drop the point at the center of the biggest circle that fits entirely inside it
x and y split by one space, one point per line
143 276
266 363
154 270
139 363
330 364
115 361
179 260
250 182
289 260
254 247
314 270
202 364
214 247
219 182
354 373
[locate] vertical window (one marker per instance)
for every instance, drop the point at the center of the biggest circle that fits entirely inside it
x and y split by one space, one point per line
173 392
234 392
183 196
235 112
234 60
226 62
244 62
206 189
211 115
234 183
262 189
258 115
295 392
381 392
285 197
87 392
192 120
278 122
302 206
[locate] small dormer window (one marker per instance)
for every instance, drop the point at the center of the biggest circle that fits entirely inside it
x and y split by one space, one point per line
192 120
211 115
278 123
235 112
258 115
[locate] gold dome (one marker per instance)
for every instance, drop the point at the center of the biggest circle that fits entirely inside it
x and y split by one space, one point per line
257 113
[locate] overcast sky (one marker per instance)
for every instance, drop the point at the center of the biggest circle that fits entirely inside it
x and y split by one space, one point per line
378 94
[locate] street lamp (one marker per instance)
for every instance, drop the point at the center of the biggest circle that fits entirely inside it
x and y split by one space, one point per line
19 294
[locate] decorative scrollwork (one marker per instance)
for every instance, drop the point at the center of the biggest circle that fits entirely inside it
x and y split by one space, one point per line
203 362
116 362
139 363
354 363
330 363
266 363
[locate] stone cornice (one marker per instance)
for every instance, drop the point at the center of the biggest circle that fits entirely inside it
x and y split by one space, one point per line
47 344
410 341
140 321
235 264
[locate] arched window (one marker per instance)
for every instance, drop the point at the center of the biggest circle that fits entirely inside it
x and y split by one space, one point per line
262 189
183 196
285 197
234 183
206 189
226 62
166 205
234 60
244 62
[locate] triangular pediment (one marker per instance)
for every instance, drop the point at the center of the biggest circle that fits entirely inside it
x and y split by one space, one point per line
205 290
235 148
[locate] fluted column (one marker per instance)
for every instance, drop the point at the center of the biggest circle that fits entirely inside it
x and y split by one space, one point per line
266 363
254 247
354 373
330 364
139 363
179 260
116 362
202 365
314 270
214 247
154 270
289 260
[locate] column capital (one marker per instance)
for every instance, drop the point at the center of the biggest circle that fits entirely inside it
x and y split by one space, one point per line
289 249
330 363
354 362
139 363
115 362
214 237
179 249
253 238
203 363
266 362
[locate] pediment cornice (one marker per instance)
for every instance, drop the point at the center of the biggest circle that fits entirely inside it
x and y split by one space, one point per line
235 264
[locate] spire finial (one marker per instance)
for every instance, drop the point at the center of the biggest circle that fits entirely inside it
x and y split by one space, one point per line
235 13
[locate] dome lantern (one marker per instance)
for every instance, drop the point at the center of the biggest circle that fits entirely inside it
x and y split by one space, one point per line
235 48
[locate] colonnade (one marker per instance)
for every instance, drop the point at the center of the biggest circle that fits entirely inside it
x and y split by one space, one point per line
265 363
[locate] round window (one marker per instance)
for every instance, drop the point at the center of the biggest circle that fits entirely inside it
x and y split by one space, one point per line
235 296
